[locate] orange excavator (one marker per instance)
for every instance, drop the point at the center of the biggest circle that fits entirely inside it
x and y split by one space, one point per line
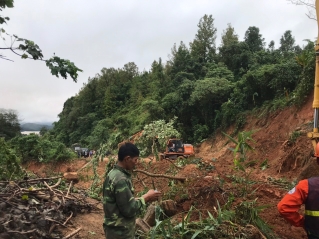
314 135
175 148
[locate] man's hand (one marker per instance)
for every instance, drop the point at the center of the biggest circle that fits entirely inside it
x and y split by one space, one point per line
152 195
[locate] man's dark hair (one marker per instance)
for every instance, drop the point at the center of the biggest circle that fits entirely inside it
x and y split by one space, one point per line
128 149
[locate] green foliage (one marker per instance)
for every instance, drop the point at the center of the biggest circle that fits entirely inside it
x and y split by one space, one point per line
181 61
42 149
207 90
306 79
155 136
294 135
270 81
10 164
229 36
201 132
254 39
59 66
264 164
95 190
222 223
240 157
282 183
203 48
219 71
9 124
287 43
247 212
29 50
43 131
4 4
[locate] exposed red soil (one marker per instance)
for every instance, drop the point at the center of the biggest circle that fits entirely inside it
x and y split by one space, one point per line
287 160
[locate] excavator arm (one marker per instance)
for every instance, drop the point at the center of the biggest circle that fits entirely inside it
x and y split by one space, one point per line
314 135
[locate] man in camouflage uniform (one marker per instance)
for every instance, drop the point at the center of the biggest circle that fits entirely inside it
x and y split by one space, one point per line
120 206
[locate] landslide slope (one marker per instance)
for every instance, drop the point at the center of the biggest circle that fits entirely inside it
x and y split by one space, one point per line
280 140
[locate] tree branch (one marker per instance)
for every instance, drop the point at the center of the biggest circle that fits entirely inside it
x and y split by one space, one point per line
160 175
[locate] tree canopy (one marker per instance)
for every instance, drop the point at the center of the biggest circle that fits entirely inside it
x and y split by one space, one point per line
205 87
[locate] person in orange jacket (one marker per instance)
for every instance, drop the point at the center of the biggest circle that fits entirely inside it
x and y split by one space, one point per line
306 192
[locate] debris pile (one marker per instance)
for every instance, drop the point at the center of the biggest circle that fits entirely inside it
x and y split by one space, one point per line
37 208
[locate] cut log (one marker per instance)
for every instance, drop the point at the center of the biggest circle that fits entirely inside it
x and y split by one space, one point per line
169 207
71 176
149 217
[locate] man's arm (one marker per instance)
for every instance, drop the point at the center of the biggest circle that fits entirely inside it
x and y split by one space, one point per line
289 206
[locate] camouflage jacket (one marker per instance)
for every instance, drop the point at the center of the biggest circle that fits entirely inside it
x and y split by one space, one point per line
120 206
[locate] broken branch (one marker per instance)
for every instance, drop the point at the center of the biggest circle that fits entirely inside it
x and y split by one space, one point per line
160 175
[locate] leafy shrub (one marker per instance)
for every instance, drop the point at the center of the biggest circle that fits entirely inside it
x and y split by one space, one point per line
200 132
42 149
9 164
155 136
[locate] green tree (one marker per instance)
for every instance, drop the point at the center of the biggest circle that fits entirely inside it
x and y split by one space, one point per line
229 36
156 134
100 133
208 95
271 46
43 131
287 43
153 108
254 39
237 57
9 124
29 50
203 47
219 71
9 164
180 60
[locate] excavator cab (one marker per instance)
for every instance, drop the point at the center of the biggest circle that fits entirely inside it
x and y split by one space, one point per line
176 148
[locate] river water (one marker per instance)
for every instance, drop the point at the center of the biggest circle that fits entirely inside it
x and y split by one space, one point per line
30 132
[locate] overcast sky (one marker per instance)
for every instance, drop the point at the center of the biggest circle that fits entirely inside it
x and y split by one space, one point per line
110 33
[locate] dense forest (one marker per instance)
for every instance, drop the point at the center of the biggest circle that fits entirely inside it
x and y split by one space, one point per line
204 85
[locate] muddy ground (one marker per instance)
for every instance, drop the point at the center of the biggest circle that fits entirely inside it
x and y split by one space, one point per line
280 139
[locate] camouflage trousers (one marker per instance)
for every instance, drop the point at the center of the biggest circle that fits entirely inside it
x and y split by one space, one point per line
112 232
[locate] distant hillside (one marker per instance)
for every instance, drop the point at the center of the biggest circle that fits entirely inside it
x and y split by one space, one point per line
35 126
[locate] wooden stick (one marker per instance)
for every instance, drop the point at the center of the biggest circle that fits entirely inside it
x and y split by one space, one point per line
160 175
57 184
68 218
51 220
33 180
53 226
48 187
72 233
22 232
71 184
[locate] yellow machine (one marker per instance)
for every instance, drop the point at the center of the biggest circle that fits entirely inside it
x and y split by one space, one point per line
314 135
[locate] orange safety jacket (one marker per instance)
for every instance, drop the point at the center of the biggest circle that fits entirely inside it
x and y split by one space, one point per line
306 192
